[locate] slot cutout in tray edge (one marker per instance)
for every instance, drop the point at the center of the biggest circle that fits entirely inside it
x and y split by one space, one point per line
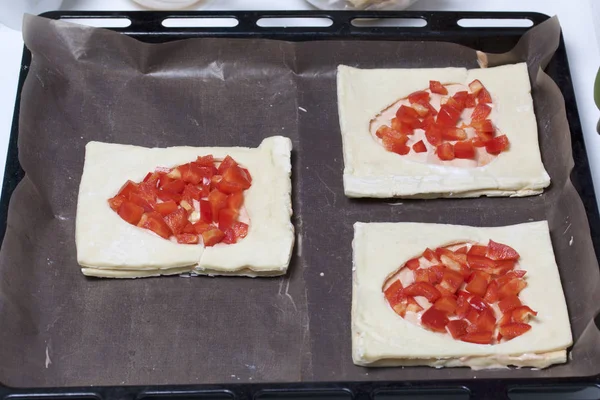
388 22
120 22
200 22
294 22
495 23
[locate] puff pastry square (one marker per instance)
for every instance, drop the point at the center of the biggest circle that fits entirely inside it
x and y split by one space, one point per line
372 171
382 338
107 246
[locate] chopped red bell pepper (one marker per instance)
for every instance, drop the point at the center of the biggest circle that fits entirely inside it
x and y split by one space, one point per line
419 147
445 151
437 87
434 320
497 145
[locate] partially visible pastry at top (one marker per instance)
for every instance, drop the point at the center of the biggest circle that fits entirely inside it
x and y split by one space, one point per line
439 132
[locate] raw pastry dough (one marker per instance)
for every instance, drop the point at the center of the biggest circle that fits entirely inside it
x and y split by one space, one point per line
382 338
372 171
107 246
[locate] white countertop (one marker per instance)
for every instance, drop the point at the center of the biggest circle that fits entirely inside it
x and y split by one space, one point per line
576 17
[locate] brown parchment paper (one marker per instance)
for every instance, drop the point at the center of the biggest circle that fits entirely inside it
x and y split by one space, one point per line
59 328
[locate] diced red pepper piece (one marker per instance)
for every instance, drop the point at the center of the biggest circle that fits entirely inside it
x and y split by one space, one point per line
477 284
445 151
130 212
200 227
462 304
509 303
478 337
503 267
152 178
497 145
491 294
413 306
430 255
437 87
435 320
218 201
481 112
478 303
191 192
393 293
166 196
475 86
472 315
229 237
427 104
481 263
437 273
225 165
454 134
511 331
513 287
166 208
477 250
484 96
420 109
413 263
155 222
240 229
234 180
447 116
189 228
471 100
191 173
457 328
177 220
382 131
483 126
115 202
187 238
461 99
401 306
206 211
457 105
419 147
461 250
141 200
422 275
420 95
433 134
206 161
451 280
464 150
486 321
423 289
443 292
174 186
446 304
212 237
235 200
227 217
505 319
522 314
128 188
395 145
478 142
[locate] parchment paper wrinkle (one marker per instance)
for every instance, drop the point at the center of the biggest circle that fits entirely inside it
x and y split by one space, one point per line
92 84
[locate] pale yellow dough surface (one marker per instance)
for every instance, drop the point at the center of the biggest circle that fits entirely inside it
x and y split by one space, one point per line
372 171
381 338
107 246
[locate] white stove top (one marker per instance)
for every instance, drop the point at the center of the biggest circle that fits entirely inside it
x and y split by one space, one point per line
577 18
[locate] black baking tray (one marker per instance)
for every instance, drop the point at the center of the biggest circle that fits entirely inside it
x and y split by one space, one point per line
441 26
